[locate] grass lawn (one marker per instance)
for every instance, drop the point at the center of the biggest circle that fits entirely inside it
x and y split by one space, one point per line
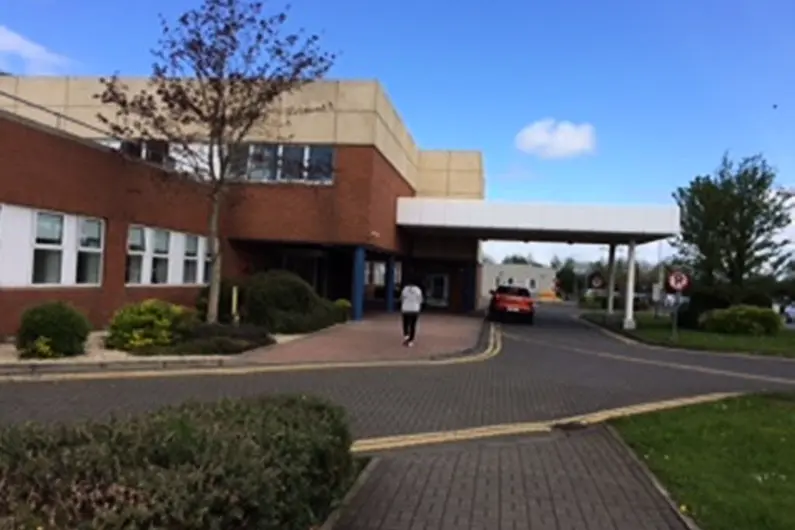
658 331
728 465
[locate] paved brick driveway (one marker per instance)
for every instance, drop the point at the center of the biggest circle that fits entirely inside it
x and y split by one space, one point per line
571 483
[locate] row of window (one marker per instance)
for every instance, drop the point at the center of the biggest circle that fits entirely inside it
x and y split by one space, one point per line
255 162
150 254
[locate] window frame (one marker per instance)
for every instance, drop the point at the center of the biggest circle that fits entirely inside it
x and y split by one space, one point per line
160 254
59 247
81 249
191 259
141 253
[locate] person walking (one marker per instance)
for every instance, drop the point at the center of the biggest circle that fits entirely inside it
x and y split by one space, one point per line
410 307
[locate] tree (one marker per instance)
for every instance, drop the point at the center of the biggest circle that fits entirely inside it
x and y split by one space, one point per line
566 275
515 259
731 223
218 72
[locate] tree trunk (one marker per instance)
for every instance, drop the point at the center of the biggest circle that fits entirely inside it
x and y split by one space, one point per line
214 297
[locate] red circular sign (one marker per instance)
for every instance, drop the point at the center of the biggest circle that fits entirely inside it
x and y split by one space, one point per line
678 281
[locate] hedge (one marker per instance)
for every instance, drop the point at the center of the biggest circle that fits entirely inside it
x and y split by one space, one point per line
52 330
743 320
269 463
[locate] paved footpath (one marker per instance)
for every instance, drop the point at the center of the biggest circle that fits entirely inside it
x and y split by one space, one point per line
555 369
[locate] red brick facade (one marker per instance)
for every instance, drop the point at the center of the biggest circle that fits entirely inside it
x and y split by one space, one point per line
40 168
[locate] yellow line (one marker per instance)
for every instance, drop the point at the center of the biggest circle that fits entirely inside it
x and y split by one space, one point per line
386 443
632 342
492 350
666 364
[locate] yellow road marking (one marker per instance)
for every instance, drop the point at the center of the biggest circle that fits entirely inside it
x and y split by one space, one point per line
386 443
654 362
492 350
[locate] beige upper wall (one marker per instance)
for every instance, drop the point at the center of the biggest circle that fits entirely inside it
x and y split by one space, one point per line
356 113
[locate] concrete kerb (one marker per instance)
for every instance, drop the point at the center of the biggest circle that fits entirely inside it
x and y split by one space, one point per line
653 480
491 350
333 518
643 344
386 443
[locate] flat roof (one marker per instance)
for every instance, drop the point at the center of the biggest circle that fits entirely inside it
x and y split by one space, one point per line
543 222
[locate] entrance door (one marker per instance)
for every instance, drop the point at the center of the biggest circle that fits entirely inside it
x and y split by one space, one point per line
437 290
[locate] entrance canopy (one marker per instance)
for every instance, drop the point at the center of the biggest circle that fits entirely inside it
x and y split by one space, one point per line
543 222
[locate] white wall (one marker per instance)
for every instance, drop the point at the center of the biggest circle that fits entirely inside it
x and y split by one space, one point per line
537 279
17 235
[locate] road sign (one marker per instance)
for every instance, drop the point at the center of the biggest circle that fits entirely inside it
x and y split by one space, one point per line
596 281
678 281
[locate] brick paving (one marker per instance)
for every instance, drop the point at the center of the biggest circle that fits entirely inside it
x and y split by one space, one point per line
583 480
377 338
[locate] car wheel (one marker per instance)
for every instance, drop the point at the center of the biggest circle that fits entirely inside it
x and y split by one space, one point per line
530 320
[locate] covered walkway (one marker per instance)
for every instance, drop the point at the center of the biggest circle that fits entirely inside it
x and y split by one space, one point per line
532 222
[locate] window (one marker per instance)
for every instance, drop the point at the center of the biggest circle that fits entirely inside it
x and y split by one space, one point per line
48 249
136 247
321 163
293 163
190 267
532 283
238 161
89 252
263 163
156 151
160 248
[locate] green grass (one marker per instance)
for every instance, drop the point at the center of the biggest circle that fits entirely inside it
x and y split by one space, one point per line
658 331
729 465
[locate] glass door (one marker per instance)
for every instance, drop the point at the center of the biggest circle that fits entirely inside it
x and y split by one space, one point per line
437 290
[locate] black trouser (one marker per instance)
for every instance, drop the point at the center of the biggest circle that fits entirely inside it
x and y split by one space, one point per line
410 325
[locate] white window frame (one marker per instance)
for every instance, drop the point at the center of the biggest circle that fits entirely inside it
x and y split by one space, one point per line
90 250
186 259
159 254
47 246
207 270
137 253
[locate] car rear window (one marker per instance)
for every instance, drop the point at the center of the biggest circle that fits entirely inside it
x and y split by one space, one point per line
513 290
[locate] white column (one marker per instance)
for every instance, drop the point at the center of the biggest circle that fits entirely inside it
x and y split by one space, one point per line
629 295
611 278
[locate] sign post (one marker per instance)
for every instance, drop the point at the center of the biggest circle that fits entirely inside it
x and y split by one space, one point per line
678 281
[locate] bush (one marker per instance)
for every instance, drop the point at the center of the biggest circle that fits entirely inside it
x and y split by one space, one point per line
220 339
743 320
268 463
282 302
149 324
225 301
701 301
52 330
343 308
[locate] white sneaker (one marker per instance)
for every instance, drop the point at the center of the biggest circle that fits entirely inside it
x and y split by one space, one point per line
410 344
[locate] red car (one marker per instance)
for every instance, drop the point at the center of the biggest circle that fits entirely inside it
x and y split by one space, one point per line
512 302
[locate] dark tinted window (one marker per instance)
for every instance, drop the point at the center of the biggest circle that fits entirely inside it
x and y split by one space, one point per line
513 290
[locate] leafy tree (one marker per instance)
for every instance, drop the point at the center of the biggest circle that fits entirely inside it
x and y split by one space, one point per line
566 276
731 223
515 259
219 71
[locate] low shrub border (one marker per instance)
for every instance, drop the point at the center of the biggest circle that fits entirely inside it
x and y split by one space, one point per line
268 463
657 332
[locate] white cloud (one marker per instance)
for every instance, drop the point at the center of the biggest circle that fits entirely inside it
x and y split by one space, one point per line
549 138
34 58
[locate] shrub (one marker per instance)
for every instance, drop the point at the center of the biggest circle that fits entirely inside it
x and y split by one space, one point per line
343 308
756 299
149 324
282 302
701 301
743 320
53 329
268 463
221 339
225 301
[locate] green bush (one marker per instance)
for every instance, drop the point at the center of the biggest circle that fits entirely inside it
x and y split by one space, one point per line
702 300
51 330
343 308
268 463
225 301
220 339
743 320
282 302
149 324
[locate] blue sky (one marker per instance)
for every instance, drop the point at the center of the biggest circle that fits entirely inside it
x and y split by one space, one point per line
650 93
